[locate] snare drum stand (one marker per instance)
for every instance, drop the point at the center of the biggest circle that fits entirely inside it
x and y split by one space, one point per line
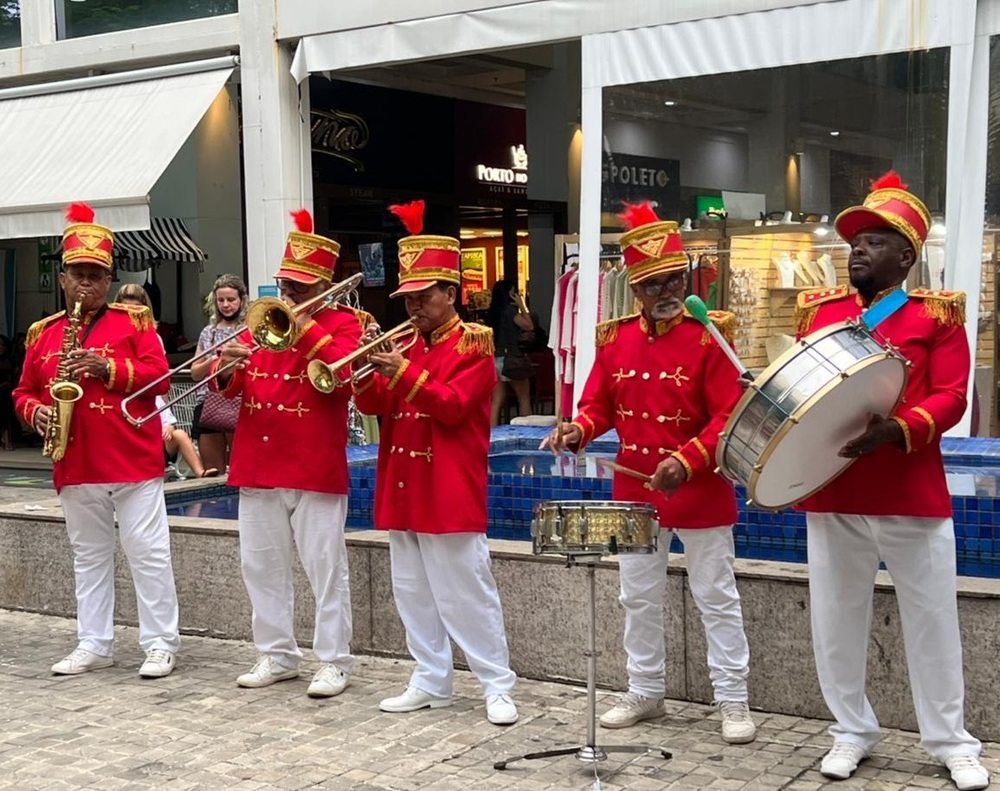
591 751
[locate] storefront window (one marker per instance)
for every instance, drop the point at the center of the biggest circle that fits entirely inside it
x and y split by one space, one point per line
77 18
10 24
756 165
986 358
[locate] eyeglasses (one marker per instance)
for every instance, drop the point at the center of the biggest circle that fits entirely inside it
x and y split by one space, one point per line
657 287
294 286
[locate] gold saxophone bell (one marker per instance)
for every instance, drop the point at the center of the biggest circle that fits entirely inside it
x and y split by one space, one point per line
326 377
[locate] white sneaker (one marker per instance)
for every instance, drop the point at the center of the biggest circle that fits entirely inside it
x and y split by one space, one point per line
329 680
630 709
967 773
842 760
737 726
266 672
159 663
500 710
81 661
411 700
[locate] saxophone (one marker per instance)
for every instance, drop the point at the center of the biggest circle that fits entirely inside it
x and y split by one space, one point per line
64 391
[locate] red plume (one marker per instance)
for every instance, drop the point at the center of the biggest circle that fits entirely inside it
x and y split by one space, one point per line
890 180
637 214
411 215
303 220
79 212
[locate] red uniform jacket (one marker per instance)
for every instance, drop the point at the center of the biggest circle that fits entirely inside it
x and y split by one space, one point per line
103 446
435 439
668 391
290 435
902 481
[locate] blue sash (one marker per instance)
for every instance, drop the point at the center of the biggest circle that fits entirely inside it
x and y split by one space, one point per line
883 309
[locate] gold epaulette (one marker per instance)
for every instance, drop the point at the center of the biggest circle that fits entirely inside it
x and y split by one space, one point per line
725 322
607 331
476 339
363 316
141 316
808 301
36 329
948 307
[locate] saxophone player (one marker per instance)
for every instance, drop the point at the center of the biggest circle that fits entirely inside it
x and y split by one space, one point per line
103 466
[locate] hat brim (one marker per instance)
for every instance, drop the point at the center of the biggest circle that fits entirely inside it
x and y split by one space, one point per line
851 222
298 277
413 286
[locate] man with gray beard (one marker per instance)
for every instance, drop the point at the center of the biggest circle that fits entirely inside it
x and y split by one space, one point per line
667 388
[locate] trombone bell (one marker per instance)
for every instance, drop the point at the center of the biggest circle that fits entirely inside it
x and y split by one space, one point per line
272 324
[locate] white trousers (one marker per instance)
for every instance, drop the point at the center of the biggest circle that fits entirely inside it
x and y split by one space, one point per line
444 588
710 554
270 521
90 510
919 553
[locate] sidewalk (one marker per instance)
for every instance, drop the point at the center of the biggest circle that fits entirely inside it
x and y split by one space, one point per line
197 730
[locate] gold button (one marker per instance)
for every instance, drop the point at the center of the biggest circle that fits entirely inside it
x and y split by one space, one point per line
400 484
645 415
265 439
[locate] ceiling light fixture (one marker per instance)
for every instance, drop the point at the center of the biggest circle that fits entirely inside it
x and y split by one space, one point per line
669 103
835 133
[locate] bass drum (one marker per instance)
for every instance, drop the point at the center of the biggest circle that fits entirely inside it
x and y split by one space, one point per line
782 438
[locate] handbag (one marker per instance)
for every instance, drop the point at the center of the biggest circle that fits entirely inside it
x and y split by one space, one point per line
517 366
218 412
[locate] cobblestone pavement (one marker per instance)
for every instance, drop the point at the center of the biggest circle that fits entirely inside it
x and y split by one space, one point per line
196 729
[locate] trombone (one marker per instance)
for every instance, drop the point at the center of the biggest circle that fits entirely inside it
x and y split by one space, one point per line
326 377
272 326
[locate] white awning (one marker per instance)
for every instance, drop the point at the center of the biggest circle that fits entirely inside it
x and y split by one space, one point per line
167 239
104 145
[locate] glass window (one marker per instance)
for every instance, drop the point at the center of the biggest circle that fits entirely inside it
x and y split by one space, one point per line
10 24
756 165
77 18
987 383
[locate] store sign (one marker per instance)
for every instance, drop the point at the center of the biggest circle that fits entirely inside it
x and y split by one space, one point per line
506 179
341 135
631 178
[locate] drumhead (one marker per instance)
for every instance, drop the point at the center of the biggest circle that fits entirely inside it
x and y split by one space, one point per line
802 457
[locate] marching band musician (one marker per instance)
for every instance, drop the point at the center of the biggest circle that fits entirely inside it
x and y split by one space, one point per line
893 503
286 495
667 388
434 400
109 468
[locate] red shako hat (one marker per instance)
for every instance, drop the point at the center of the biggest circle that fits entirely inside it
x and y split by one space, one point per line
84 242
424 260
651 246
308 257
888 205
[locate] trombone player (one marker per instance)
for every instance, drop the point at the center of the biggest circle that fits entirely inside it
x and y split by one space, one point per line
287 497
103 467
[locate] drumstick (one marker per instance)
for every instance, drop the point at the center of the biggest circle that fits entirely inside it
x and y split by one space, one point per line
699 311
613 465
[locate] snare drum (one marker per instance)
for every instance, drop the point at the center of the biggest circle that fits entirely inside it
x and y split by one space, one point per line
588 526
783 436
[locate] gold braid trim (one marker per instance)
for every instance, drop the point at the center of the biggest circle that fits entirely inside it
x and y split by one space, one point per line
726 323
607 331
142 318
906 433
702 450
35 330
398 375
947 307
687 467
416 386
809 301
930 422
476 339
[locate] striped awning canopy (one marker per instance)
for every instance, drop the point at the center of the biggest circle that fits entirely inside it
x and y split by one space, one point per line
166 240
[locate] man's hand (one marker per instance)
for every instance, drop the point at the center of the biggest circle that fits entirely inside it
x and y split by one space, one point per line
41 419
879 431
87 364
387 363
234 353
669 476
559 441
371 332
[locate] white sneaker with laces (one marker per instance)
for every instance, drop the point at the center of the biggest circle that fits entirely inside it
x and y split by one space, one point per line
265 673
329 680
412 700
842 760
967 773
80 660
159 663
737 725
500 710
630 709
